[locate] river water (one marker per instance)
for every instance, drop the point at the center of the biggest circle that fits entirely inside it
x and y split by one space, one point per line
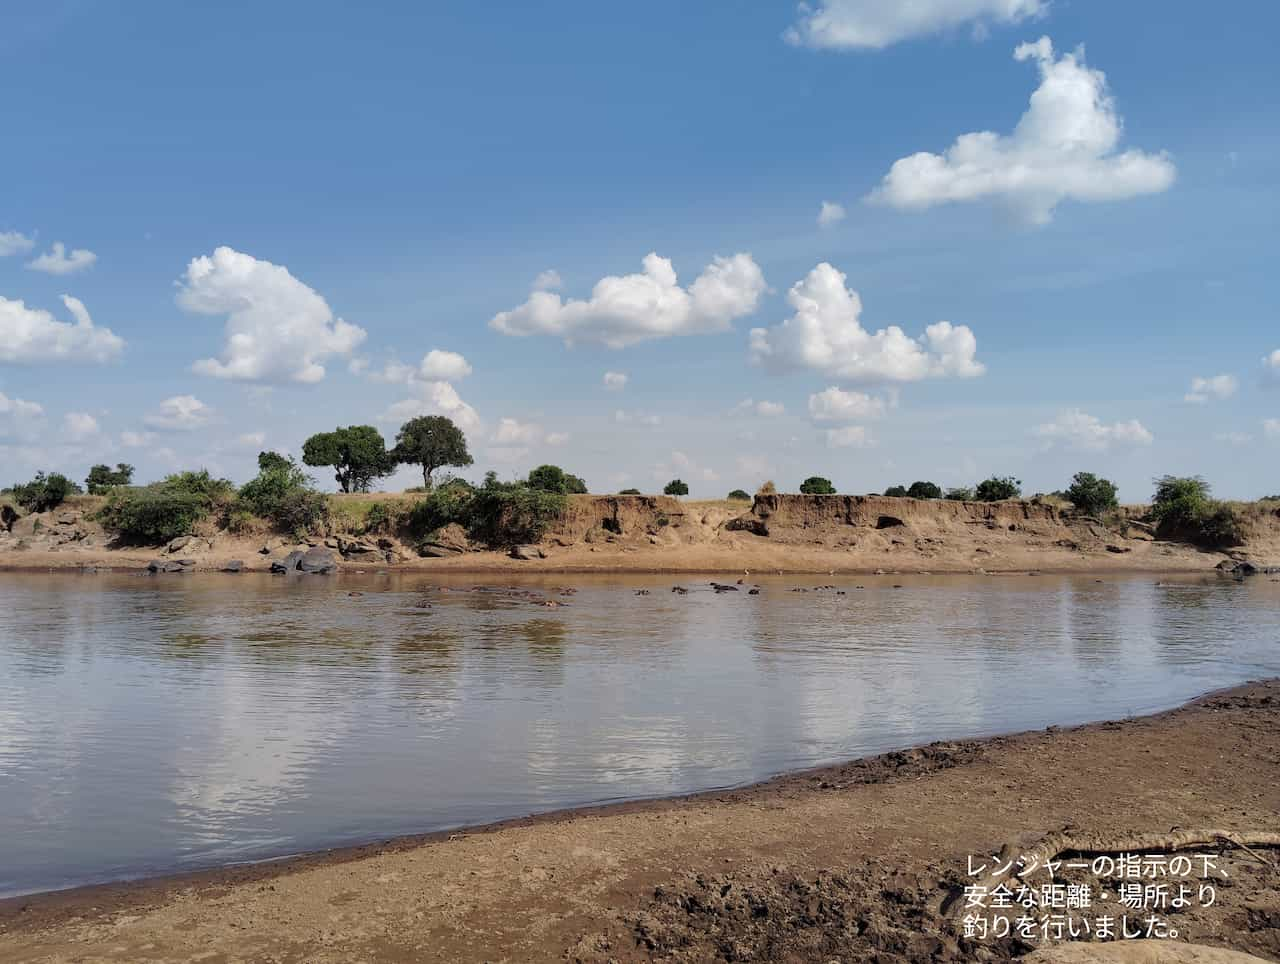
151 724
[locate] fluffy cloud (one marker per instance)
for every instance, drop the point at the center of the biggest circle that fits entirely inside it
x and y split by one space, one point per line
1064 147
615 381
58 261
1270 367
835 405
278 329
11 242
434 398
764 409
1219 386
34 335
830 213
78 426
625 310
136 440
547 281
682 466
850 436
641 418
875 24
16 414
511 431
181 413
446 366
557 438
825 335
1076 429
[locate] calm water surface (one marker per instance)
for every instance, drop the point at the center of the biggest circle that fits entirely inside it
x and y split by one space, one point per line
152 724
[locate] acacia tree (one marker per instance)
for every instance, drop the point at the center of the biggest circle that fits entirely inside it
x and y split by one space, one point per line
357 453
431 441
103 478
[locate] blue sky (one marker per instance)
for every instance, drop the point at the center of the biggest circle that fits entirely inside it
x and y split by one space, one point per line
411 169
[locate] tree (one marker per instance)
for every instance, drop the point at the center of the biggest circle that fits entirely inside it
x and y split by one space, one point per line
549 478
960 493
273 461
998 488
629 492
817 485
575 485
896 492
924 490
44 492
431 441
740 495
102 478
1090 494
675 487
358 453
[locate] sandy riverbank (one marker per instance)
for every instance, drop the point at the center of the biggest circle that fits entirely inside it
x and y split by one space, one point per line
848 863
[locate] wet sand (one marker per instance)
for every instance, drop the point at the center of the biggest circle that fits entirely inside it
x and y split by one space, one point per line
850 863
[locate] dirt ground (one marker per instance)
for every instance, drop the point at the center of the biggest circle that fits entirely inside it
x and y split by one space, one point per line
849 863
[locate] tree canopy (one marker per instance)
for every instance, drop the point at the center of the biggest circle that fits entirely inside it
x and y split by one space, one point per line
675 487
102 478
431 441
998 488
740 495
1092 494
552 478
817 485
924 490
896 492
357 453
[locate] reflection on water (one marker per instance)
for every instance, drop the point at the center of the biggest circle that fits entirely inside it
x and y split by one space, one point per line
150 724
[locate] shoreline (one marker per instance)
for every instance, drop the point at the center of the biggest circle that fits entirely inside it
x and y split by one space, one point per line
32 914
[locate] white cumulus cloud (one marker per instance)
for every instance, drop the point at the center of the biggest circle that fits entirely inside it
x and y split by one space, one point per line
615 381
57 260
826 335
78 426
434 398
1064 147
446 366
876 24
547 281
850 436
634 308
830 213
12 242
1077 429
1204 389
34 335
16 414
181 413
136 440
836 405
1271 367
277 328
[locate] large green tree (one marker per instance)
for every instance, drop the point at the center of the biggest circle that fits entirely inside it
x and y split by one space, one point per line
1092 494
675 487
924 490
817 485
103 478
431 441
357 453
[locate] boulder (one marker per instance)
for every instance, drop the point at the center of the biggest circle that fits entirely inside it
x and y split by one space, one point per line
289 563
747 523
235 565
318 560
527 553
170 565
180 543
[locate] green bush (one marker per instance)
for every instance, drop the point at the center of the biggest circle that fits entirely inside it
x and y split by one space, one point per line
1183 509
675 487
924 490
629 492
44 492
282 494
817 485
240 522
202 484
552 478
443 505
959 494
896 492
379 519
740 495
153 514
998 488
504 513
1092 494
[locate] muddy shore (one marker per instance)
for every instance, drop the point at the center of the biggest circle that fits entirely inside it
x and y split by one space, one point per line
851 862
